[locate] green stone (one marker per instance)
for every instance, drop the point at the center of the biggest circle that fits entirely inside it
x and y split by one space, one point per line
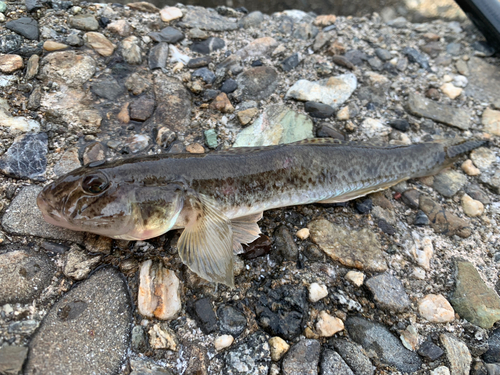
472 299
277 125
3 6
211 138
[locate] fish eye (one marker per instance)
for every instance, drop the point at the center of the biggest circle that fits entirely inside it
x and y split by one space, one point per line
95 184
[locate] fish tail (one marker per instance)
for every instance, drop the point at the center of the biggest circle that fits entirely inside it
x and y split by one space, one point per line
453 151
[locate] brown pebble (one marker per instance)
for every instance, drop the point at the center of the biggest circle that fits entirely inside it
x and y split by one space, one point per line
195 148
222 104
342 61
10 63
433 94
123 116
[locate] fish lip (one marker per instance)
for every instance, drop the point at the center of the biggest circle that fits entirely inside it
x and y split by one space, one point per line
49 213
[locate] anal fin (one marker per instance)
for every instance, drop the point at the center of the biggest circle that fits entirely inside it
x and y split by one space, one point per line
245 230
206 245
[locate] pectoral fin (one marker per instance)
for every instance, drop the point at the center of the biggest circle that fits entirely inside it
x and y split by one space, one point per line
245 230
206 245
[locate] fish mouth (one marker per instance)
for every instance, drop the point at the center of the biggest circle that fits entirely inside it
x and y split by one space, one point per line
50 214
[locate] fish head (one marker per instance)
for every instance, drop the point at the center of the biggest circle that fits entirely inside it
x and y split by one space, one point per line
100 201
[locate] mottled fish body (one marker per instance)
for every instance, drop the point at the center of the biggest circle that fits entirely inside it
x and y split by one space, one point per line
218 197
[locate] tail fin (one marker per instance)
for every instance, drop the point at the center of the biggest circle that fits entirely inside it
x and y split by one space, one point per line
453 151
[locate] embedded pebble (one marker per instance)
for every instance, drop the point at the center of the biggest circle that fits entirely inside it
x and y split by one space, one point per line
449 182
247 115
223 341
328 325
303 233
159 291
491 121
51 45
483 158
78 263
99 43
278 347
26 157
422 251
436 309
469 168
10 63
451 91
251 356
471 206
168 14
388 292
457 353
354 355
231 320
333 364
317 292
162 337
355 277
302 358
20 123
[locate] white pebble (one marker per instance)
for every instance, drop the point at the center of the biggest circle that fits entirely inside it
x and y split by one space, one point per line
328 325
471 206
460 81
469 168
317 292
436 309
223 342
441 370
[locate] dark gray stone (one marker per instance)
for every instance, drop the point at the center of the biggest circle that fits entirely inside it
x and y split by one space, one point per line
158 56
333 364
400 124
257 83
24 274
167 35
12 359
207 19
430 351
229 86
388 292
199 62
251 357
286 25
364 206
142 108
493 353
454 48
208 45
375 63
32 5
416 57
383 54
421 218
302 358
290 62
354 356
355 56
25 26
252 19
203 312
108 88
231 321
284 247
376 338
205 74
449 182
26 157
446 114
318 110
283 311
483 49
477 193
10 43
74 336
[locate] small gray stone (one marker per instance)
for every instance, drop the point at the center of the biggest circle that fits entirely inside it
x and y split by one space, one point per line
383 54
108 88
205 74
284 245
207 19
449 182
32 5
142 108
252 19
318 110
333 364
167 35
388 292
251 357
416 57
430 351
446 114
11 43
12 359
375 63
290 62
86 22
231 320
25 219
354 356
138 340
257 83
454 48
26 158
356 56
24 274
83 320
377 339
25 26
158 56
208 46
302 358
305 31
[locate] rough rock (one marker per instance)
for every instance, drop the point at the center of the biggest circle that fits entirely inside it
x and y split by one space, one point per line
317 292
231 320
223 341
472 299
79 263
99 43
379 340
443 221
83 319
250 357
359 249
388 292
12 359
471 206
484 80
168 14
19 123
449 182
10 63
328 325
457 353
159 291
276 125
26 157
355 356
333 91
278 347
162 337
430 351
25 26
21 219
24 274
207 19
492 355
204 315
208 46
256 83
257 48
69 67
302 358
436 309
86 22
158 56
446 114
333 364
